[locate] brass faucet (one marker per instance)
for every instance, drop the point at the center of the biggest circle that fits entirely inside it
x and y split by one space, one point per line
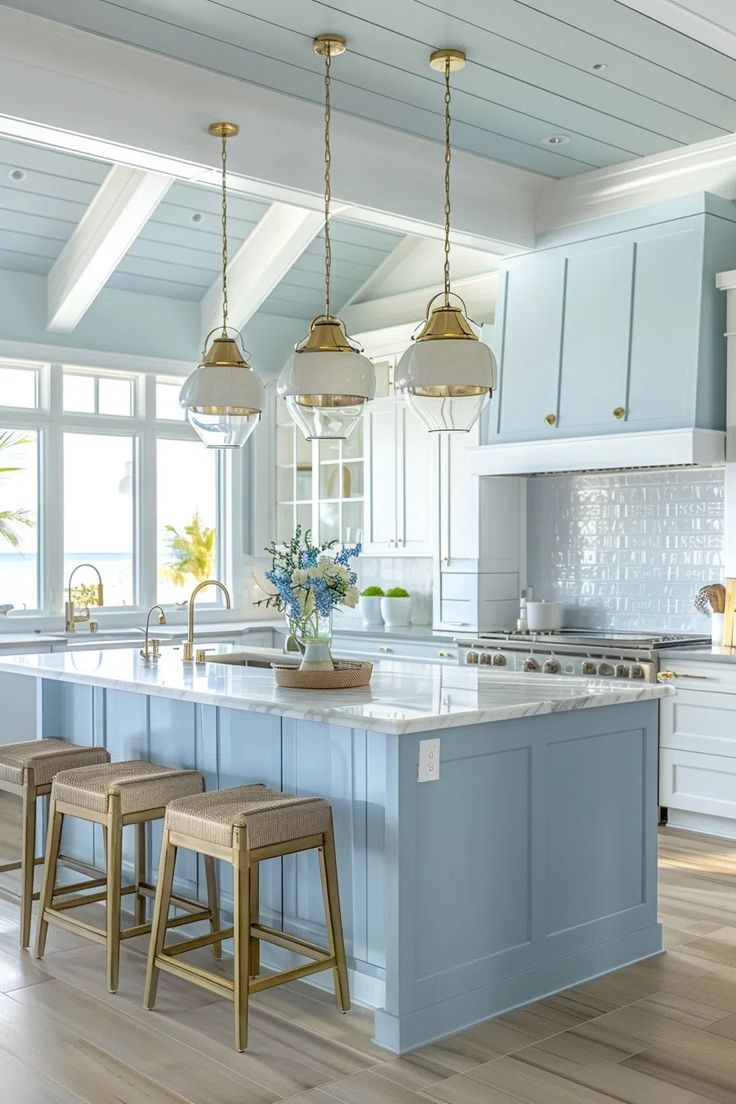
71 617
152 653
188 647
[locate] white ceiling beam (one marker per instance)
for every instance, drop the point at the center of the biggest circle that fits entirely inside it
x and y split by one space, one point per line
275 244
478 293
123 204
82 92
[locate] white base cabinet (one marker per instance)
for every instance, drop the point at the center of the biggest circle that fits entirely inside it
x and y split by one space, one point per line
697 758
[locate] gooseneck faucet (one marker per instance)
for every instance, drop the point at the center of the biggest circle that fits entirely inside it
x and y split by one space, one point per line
150 654
188 648
71 617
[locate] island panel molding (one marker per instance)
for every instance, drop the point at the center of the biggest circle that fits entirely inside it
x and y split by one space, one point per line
461 899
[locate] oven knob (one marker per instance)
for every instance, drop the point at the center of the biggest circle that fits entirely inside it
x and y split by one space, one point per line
471 657
485 658
499 660
637 672
606 670
551 667
622 671
530 665
588 668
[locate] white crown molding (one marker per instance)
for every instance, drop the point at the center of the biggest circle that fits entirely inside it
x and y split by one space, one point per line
705 166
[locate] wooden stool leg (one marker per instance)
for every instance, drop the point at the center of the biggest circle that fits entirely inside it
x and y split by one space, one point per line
114 831
53 846
140 871
241 925
328 871
210 871
255 915
164 885
28 859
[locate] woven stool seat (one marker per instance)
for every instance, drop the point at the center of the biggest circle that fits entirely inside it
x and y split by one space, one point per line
269 816
140 785
46 758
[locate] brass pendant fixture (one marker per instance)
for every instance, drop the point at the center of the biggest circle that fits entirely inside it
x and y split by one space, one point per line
447 375
327 381
224 397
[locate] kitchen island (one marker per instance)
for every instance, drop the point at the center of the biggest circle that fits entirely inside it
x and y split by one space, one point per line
526 866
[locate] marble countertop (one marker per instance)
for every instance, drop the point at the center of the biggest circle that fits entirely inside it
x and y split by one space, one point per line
402 697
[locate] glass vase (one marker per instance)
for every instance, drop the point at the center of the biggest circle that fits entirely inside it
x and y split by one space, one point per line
312 636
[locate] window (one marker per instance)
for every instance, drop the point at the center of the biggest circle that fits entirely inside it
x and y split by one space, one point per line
18 385
98 510
102 467
186 486
167 400
95 393
19 518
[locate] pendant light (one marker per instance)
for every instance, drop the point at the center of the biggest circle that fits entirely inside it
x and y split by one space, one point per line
447 374
223 397
327 381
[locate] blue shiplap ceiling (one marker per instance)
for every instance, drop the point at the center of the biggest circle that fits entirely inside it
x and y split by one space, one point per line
618 83
177 254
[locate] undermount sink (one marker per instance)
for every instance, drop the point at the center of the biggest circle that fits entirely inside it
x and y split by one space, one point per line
262 659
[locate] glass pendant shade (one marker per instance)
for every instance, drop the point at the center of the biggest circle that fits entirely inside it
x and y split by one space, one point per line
447 375
223 397
308 383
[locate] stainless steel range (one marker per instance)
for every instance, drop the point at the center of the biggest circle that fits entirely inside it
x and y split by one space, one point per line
586 652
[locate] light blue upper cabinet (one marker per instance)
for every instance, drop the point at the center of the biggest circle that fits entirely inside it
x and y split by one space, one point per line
616 326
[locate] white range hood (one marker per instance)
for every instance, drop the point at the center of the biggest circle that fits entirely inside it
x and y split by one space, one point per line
654 449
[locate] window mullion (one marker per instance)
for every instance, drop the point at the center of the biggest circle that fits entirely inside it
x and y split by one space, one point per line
146 483
51 499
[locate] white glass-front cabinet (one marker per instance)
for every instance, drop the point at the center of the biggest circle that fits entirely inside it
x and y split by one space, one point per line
319 484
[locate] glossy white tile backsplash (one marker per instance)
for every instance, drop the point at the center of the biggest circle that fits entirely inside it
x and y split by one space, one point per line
627 550
414 573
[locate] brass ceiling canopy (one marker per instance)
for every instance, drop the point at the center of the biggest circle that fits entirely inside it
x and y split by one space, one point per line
329 45
224 130
440 58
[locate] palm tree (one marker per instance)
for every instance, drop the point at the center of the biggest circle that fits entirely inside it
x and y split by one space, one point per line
193 551
10 519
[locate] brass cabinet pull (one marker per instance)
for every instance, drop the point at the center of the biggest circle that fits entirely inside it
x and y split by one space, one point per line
667 676
550 419
619 412
443 655
382 648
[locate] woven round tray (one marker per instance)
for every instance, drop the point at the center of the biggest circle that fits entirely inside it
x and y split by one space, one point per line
346 676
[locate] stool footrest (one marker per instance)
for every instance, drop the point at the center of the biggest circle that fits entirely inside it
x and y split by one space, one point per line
201 941
267 981
222 986
289 942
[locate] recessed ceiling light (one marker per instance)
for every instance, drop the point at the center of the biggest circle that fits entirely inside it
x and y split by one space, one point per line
197 216
599 67
556 140
17 174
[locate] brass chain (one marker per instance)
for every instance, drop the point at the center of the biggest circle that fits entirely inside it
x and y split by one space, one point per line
224 235
328 184
448 159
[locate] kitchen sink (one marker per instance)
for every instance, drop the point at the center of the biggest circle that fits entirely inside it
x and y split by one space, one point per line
254 658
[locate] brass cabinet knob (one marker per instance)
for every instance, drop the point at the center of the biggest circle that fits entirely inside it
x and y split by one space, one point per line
619 412
550 419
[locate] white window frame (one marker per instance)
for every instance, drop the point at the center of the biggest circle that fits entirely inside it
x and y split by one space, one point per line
50 421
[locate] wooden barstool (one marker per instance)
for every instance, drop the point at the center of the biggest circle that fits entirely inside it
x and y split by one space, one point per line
115 795
27 770
243 826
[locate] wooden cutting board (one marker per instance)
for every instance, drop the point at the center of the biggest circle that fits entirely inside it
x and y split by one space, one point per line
729 619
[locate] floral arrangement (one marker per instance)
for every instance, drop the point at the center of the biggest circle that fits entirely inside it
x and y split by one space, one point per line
310 581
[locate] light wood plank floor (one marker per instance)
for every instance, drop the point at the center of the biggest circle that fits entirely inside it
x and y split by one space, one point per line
662 1032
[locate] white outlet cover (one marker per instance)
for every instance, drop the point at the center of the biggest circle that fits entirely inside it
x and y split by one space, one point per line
429 761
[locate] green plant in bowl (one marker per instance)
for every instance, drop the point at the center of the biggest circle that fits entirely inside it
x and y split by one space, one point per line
372 592
397 592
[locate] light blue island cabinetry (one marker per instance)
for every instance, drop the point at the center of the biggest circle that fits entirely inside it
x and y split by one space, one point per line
528 866
615 326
